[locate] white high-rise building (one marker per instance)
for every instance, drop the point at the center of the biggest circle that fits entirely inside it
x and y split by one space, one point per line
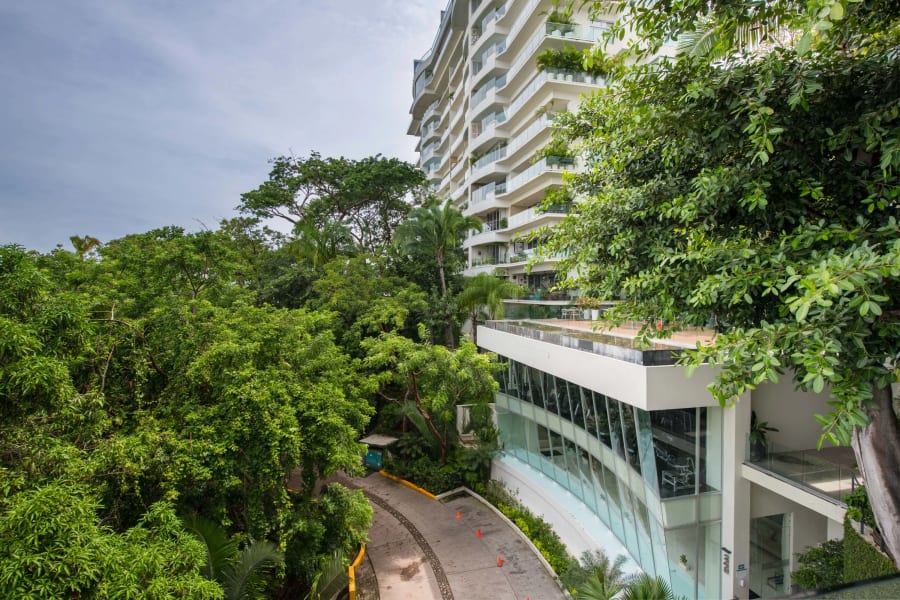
610 442
482 109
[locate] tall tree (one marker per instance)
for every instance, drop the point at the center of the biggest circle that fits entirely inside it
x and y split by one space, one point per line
483 294
438 229
369 196
762 189
83 245
433 379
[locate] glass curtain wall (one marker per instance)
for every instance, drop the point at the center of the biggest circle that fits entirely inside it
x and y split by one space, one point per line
636 470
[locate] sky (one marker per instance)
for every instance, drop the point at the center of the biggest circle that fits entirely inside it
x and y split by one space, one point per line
120 116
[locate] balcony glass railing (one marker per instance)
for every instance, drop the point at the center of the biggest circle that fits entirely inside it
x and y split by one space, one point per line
830 471
523 18
528 133
487 53
428 150
590 33
534 213
490 157
431 109
488 192
526 94
492 16
527 175
421 81
479 96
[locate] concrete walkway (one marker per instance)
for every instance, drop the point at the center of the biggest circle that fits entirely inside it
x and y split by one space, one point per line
420 550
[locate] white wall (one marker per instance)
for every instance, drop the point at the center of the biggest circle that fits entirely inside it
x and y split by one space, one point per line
791 411
808 528
649 388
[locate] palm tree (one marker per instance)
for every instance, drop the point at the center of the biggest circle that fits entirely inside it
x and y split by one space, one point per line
606 577
439 230
596 588
236 571
316 245
645 587
83 245
483 295
331 578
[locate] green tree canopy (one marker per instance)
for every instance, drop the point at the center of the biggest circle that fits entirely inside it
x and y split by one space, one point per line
761 191
369 196
433 379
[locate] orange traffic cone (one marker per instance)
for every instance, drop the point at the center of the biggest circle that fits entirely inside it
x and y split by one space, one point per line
458 515
478 533
499 561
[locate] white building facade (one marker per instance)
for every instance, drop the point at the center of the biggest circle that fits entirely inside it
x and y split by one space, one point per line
481 112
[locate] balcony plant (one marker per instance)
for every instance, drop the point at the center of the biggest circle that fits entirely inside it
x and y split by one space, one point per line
758 439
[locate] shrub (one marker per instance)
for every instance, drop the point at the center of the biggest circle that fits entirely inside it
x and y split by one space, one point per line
861 559
535 528
425 473
858 507
821 567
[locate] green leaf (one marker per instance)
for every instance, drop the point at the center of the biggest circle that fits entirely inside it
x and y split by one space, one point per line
837 11
804 43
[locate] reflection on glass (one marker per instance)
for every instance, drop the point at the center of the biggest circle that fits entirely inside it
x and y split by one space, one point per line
630 467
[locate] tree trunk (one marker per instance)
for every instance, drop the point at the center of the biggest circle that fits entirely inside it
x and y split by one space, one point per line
448 330
877 450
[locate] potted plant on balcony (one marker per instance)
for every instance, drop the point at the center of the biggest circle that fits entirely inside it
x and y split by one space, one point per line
590 306
758 439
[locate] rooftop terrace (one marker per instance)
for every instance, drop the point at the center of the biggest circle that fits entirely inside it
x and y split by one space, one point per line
621 342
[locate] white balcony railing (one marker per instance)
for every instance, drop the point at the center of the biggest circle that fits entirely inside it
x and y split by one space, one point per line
488 192
528 134
490 157
533 214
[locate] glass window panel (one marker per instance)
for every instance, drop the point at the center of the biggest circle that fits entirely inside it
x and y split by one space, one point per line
573 469
628 519
630 437
587 483
601 419
556 397
557 459
575 399
599 488
709 563
611 484
675 441
645 545
681 546
646 451
535 386
615 427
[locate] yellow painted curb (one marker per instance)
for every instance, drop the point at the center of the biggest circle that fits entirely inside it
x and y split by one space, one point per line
351 571
384 473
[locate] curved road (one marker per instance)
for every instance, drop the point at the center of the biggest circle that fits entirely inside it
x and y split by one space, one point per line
420 550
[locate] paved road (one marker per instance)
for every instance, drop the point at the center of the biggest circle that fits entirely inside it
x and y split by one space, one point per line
420 550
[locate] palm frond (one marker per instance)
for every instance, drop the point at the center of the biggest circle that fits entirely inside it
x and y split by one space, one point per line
221 552
331 578
239 578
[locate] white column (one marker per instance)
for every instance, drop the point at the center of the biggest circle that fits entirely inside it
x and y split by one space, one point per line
735 549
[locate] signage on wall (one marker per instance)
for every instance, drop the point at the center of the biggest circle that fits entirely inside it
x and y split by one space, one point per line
726 560
741 569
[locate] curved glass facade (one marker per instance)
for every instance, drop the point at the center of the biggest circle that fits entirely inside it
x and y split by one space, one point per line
653 478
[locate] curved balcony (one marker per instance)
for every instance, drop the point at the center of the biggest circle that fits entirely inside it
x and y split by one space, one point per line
532 217
486 237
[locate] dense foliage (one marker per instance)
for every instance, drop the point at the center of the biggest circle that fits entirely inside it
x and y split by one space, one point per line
754 183
169 398
821 567
861 559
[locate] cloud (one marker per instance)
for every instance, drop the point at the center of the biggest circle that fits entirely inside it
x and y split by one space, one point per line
122 116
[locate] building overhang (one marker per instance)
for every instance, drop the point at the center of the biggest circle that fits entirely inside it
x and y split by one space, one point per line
637 377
